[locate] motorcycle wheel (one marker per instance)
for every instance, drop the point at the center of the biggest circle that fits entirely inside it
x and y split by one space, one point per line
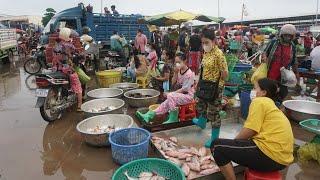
45 109
32 66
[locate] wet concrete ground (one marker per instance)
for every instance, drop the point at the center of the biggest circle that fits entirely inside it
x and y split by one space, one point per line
33 149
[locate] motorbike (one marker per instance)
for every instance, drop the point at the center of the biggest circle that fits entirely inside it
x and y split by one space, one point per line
54 93
36 62
92 56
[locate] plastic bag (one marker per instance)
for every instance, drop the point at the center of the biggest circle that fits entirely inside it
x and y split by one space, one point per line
166 86
309 151
260 73
288 78
83 77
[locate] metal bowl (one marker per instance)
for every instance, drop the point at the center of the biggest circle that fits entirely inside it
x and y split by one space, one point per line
299 110
142 102
101 103
120 121
105 93
125 86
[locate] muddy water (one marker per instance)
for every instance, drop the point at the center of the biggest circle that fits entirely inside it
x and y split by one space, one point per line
33 149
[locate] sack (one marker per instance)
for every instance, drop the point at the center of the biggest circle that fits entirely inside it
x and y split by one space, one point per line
83 77
260 73
288 78
207 90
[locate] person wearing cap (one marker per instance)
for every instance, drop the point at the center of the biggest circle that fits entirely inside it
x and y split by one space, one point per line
308 43
281 52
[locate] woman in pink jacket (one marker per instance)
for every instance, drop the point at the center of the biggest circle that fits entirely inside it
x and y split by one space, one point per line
140 42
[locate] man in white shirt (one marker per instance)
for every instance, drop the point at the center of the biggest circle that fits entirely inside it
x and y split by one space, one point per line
315 58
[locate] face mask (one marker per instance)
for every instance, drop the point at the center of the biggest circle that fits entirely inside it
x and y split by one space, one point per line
207 48
178 65
253 94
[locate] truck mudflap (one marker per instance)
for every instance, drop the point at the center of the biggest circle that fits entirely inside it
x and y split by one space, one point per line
40 102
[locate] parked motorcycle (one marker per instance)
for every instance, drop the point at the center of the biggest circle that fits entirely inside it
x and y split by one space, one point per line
37 61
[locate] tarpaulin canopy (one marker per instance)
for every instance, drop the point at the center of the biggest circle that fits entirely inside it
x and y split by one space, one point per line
178 17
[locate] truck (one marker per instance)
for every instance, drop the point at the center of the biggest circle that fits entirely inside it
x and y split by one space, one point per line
102 25
8 44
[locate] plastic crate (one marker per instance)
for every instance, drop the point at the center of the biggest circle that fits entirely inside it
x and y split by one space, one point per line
129 144
242 67
312 125
236 78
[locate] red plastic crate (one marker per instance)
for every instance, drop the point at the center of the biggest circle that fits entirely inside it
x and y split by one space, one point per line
188 111
250 174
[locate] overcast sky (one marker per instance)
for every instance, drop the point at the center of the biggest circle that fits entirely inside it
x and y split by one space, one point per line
231 9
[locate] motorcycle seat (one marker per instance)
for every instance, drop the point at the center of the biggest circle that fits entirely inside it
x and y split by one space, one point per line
57 75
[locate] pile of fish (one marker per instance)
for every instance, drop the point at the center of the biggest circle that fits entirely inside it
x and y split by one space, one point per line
145 176
193 162
138 95
102 109
103 129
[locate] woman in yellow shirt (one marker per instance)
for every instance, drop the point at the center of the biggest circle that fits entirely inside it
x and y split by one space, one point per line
265 143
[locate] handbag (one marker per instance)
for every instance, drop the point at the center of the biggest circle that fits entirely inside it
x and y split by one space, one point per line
207 90
288 78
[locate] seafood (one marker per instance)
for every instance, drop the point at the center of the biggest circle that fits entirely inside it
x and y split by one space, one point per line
186 169
205 158
194 166
195 151
209 171
102 109
188 159
138 95
175 161
207 166
205 162
103 129
174 154
192 175
184 155
189 151
145 176
173 139
128 177
202 151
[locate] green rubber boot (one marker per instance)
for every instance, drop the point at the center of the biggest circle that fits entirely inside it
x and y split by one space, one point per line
214 135
146 117
200 122
173 117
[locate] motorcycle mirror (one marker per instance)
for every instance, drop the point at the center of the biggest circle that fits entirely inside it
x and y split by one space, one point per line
87 47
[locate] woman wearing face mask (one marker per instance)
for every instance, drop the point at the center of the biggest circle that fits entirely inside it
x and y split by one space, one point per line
265 143
183 79
214 68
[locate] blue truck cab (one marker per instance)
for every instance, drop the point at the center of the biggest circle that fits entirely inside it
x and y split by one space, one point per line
102 26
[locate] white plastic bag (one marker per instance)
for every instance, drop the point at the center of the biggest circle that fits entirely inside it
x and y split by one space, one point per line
288 78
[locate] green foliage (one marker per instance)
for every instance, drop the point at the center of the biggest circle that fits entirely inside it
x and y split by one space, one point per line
47 16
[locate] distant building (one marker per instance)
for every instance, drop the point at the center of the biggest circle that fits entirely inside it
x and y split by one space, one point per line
21 22
302 22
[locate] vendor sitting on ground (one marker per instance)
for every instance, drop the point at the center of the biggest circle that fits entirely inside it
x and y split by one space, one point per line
265 143
184 79
137 67
162 82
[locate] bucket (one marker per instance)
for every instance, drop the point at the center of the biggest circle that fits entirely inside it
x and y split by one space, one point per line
108 77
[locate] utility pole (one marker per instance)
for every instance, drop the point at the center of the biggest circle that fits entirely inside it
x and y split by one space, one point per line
101 1
316 23
219 13
242 11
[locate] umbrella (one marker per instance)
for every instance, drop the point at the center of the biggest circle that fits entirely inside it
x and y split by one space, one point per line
268 30
178 17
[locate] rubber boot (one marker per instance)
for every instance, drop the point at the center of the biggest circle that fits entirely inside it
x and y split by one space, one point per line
214 135
200 122
146 117
173 117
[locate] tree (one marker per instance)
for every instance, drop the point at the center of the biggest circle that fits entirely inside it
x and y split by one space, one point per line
48 15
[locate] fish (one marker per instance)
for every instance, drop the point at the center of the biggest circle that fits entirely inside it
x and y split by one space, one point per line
189 151
174 154
209 171
158 178
186 169
205 162
173 139
164 145
195 151
156 138
207 166
188 159
145 174
202 151
192 175
128 177
184 155
205 158
176 161
194 166
212 159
